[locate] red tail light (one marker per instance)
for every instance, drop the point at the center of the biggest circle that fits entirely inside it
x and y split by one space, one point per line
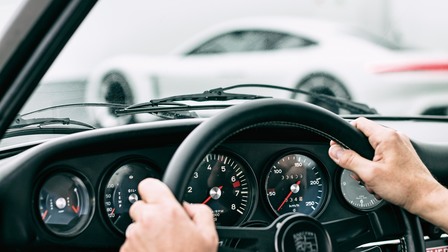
410 68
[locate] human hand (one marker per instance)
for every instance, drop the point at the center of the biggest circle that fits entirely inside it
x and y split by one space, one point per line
395 173
162 224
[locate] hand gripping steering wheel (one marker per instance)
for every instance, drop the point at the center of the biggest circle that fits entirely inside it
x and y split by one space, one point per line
285 232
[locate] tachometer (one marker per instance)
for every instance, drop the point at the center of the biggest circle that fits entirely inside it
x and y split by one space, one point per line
226 185
295 183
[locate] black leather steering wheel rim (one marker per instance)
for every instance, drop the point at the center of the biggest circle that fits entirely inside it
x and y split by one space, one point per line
209 134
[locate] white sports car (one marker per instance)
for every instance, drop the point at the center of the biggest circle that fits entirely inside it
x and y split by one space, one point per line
311 55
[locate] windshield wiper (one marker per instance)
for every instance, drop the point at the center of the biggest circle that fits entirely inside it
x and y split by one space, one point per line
169 108
21 122
163 107
354 107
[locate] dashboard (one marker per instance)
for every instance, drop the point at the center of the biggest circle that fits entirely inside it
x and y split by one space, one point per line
75 191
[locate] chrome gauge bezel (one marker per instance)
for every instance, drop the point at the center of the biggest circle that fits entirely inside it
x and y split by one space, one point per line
86 210
326 182
252 184
107 176
349 202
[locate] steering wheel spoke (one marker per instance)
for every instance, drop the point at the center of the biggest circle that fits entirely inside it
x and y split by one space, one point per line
289 232
348 233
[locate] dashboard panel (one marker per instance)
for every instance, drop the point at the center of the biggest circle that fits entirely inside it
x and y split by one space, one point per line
77 189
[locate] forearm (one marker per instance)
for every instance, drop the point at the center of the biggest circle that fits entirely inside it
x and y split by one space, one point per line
434 207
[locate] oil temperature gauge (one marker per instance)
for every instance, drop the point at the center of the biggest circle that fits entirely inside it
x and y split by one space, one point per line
64 204
356 194
121 191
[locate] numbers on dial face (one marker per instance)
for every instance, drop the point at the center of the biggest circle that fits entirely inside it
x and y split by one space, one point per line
225 185
295 183
356 194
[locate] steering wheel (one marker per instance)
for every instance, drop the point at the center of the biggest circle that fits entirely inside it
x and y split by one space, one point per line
282 234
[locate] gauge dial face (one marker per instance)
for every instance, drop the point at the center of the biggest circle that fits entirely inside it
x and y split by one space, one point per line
356 194
121 192
225 185
64 204
295 183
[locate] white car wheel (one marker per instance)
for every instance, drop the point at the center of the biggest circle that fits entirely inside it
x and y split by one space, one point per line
112 88
322 84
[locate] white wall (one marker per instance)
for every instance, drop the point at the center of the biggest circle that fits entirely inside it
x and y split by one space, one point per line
160 26
421 24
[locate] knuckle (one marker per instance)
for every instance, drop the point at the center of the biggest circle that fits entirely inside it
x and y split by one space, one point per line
346 159
146 218
174 212
204 210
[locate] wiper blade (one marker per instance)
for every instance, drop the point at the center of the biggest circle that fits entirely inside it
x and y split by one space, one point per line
216 94
170 108
170 104
354 107
82 104
20 122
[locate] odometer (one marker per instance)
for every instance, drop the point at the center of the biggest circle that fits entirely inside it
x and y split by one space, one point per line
295 183
226 185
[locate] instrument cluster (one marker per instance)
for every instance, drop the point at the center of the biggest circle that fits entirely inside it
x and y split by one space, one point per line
292 181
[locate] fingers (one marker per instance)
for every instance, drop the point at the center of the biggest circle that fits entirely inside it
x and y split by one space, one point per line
201 215
348 159
155 191
375 133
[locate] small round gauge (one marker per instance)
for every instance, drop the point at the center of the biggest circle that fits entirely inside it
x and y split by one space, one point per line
64 204
225 185
121 192
356 194
296 183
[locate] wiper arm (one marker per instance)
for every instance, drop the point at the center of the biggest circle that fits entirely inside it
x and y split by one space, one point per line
354 107
20 122
216 94
170 104
170 108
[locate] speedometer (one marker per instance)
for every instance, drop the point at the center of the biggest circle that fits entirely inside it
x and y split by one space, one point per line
295 182
226 185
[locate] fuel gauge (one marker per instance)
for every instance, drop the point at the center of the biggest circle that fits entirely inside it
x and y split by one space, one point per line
64 204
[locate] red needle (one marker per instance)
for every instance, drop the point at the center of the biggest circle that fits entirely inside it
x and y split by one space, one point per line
287 197
209 197
44 214
75 209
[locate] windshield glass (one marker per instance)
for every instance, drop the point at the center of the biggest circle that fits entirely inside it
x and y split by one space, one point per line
129 53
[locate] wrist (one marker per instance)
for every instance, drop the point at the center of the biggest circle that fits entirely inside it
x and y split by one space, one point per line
433 205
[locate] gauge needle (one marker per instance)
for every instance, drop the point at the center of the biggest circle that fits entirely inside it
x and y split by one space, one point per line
44 214
209 197
287 197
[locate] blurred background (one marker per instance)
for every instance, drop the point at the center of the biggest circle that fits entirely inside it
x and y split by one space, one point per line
156 28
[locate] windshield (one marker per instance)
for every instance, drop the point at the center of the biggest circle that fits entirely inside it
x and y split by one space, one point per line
353 50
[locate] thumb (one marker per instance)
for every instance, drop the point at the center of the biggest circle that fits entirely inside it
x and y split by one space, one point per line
348 159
